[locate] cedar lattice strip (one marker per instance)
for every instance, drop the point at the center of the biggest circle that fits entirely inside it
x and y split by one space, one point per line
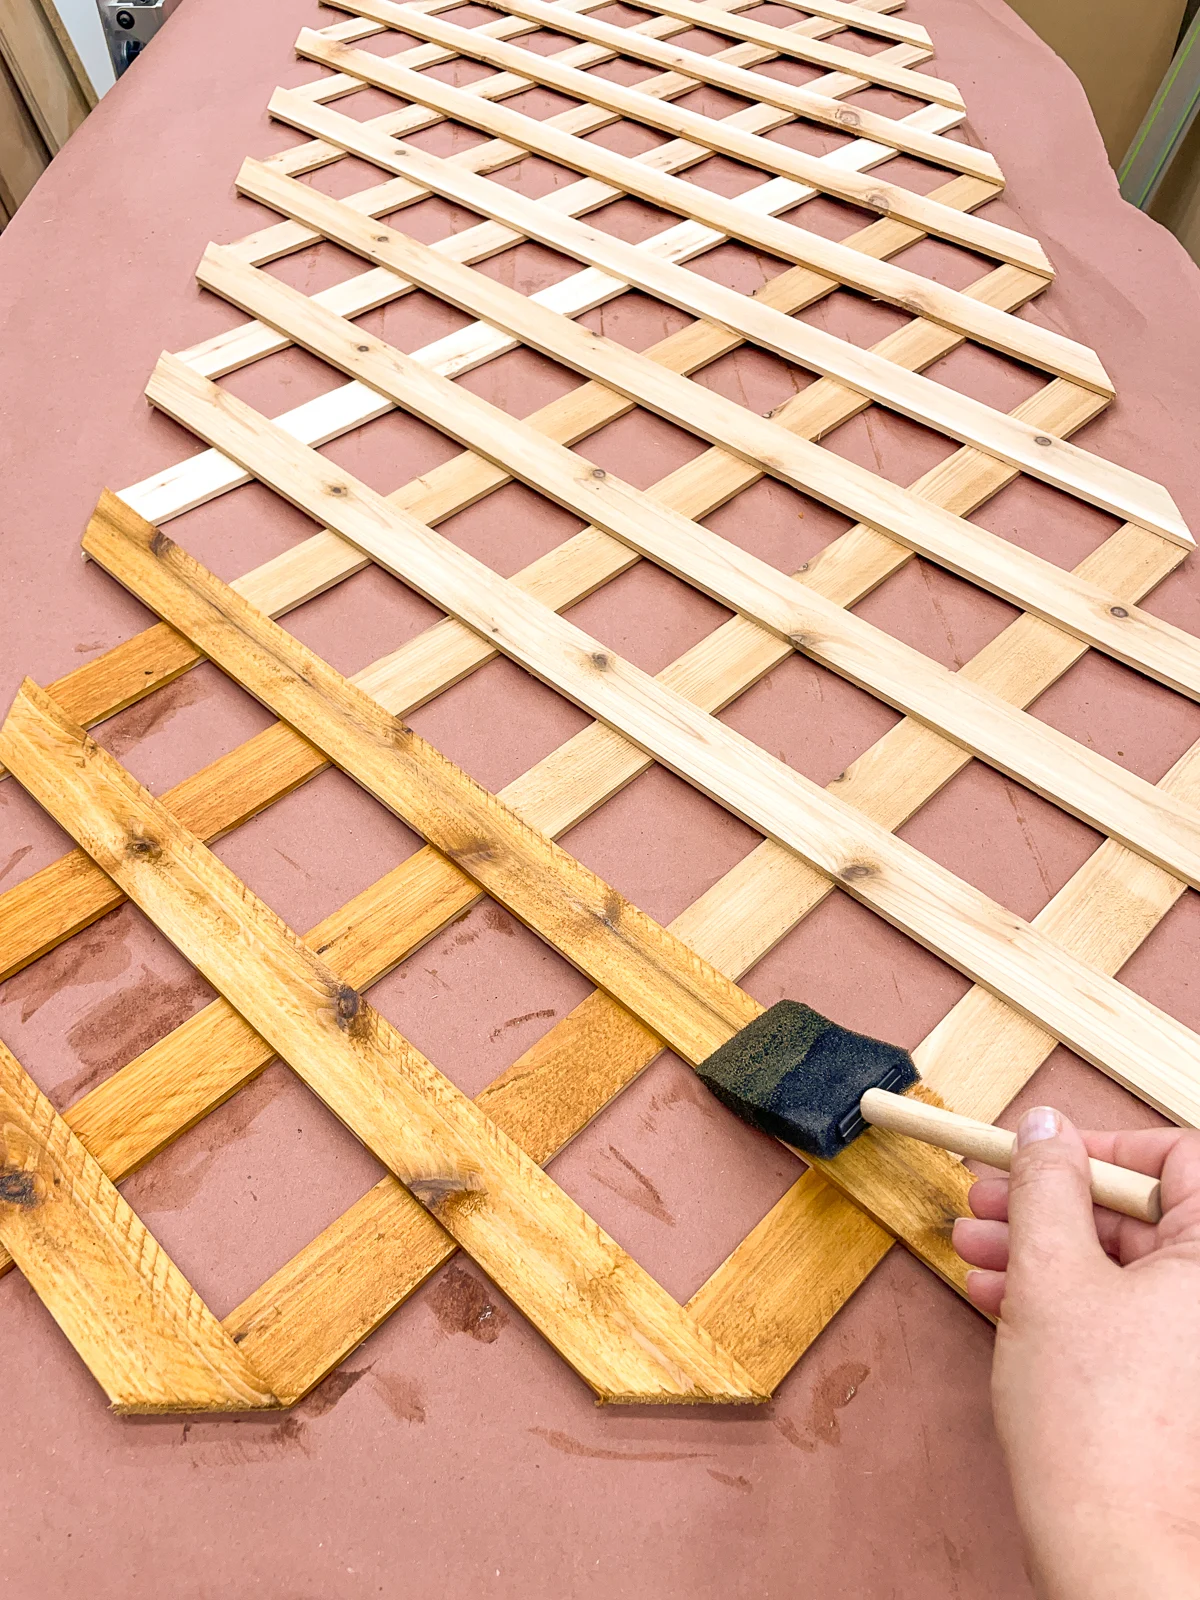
1052 763
803 103
1111 1026
642 965
129 671
1136 638
974 233
741 219
351 1304
770 1299
225 351
775 1294
881 69
190 482
901 55
620 1330
580 119
127 1119
147 1337
716 17
1091 478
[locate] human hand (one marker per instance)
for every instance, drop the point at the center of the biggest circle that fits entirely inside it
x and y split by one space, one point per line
1096 1373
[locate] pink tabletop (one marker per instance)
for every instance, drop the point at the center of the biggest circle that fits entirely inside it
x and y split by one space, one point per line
454 1453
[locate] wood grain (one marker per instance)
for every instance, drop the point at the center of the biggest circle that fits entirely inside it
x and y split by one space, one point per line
781 1286
909 290
1109 1025
974 233
145 1335
38 913
686 1001
1094 614
620 1331
834 58
801 102
1054 765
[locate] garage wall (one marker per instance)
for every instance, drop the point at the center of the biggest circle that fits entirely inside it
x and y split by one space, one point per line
1118 49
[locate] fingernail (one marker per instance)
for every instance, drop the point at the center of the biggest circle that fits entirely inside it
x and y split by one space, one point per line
1043 1122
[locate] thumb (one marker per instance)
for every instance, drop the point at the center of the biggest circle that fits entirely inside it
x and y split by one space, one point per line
1052 1232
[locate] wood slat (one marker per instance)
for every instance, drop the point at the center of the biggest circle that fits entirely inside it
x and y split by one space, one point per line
685 1000
810 1185
856 17
1056 766
909 290
776 1302
772 1297
38 913
128 1118
1092 478
801 102
190 482
144 1333
860 69
988 238
587 118
1107 1024
620 1331
720 19
1134 637
873 68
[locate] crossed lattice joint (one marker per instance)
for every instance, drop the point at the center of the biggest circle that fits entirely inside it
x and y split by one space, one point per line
470 1173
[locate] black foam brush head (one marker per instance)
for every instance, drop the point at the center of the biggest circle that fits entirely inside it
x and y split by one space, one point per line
795 1074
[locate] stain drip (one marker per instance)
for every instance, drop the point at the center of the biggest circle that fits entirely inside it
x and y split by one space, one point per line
461 1304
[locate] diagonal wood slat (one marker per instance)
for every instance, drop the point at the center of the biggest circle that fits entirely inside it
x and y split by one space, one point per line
620 1331
687 1002
973 233
1025 341
1053 763
146 1336
1109 1025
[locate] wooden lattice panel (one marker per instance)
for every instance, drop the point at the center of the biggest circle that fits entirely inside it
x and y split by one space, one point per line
468 1173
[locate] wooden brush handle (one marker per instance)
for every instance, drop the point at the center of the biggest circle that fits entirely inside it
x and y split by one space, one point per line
1131 1193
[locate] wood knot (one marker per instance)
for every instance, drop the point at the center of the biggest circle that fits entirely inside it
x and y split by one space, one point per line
856 871
336 488
611 912
599 472
599 660
143 848
849 117
1044 440
347 1003
478 848
1117 611
362 349
19 1188
438 1189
